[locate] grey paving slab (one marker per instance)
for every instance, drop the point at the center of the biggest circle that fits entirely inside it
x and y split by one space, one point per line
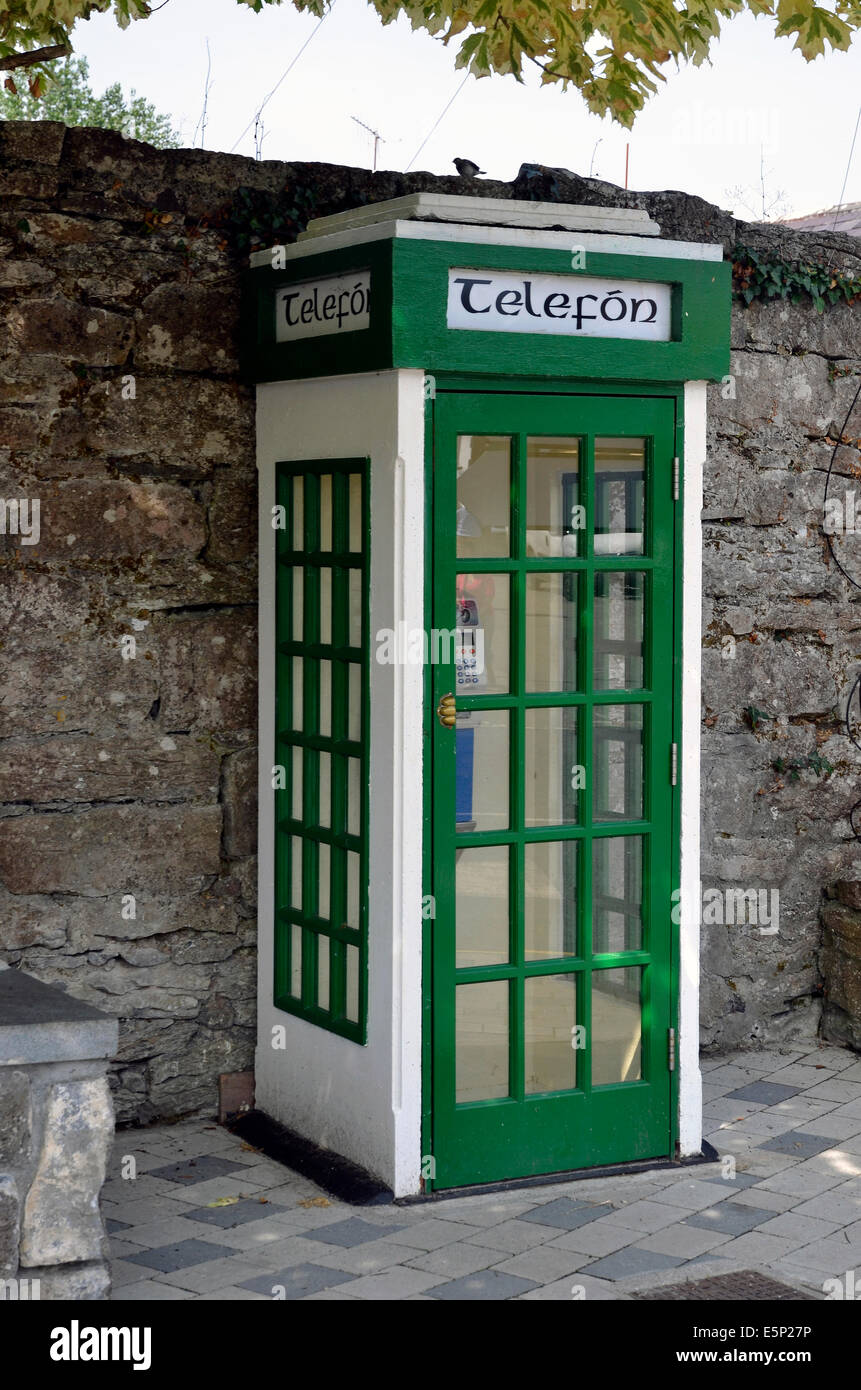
397 1283
632 1260
796 1144
567 1215
543 1263
801 1229
729 1218
455 1260
487 1284
755 1248
427 1235
236 1214
197 1169
691 1195
512 1237
212 1274
643 1216
577 1287
598 1238
296 1281
352 1231
147 1290
733 1184
180 1255
368 1258
683 1240
764 1092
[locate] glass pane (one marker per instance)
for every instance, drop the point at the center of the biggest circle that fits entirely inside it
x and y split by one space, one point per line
553 776
298 590
553 514
616 1025
481 1046
620 478
617 792
354 702
618 627
481 753
353 891
481 913
617 894
326 606
296 783
324 772
551 632
354 796
481 634
352 1009
296 872
323 971
355 628
550 899
326 511
295 960
297 693
324 871
298 514
355 540
483 495
550 1018
326 698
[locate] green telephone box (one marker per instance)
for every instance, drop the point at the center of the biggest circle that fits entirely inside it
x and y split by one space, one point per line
481 432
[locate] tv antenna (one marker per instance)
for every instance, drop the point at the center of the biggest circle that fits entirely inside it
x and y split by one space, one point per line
378 138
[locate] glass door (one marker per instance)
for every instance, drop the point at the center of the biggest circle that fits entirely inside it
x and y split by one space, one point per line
552 819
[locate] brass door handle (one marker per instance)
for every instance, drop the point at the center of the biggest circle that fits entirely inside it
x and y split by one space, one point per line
445 712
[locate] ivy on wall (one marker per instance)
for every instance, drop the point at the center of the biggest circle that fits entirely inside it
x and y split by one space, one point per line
756 277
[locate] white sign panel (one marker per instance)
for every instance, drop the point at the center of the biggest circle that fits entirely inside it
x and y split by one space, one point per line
336 304
577 306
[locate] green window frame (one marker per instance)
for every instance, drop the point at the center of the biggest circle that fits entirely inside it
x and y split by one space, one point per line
322 633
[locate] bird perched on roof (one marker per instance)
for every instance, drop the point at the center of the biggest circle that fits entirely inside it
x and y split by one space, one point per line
467 169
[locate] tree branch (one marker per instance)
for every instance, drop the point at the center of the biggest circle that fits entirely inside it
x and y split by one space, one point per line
38 55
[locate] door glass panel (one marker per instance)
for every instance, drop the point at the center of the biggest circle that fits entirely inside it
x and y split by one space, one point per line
299 513
617 894
481 753
296 960
298 577
620 477
553 516
352 983
551 632
483 495
481 908
553 777
355 524
482 628
617 756
550 899
616 1025
323 972
618 629
481 1041
325 511
324 875
324 769
326 698
550 1017
326 606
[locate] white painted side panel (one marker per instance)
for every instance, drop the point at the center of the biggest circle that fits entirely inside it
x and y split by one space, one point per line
363 1102
690 1078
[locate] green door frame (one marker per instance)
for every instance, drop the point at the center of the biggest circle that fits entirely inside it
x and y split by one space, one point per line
629 391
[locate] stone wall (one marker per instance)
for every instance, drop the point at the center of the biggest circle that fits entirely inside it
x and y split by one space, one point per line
122 411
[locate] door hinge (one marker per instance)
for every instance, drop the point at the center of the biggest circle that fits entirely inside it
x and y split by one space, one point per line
674 764
676 478
671 1049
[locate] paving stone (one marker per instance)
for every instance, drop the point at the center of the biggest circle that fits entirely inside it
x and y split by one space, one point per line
368 1258
427 1235
353 1231
683 1240
247 1209
567 1215
741 1180
693 1194
833 1255
764 1092
297 1281
632 1260
803 1230
196 1169
148 1290
454 1260
801 1182
112 1226
764 1197
755 1248
797 1075
835 1126
835 1058
729 1218
836 1089
575 1288
543 1263
169 1231
487 1284
232 1294
395 1284
212 1274
181 1255
796 1144
515 1236
643 1216
830 1206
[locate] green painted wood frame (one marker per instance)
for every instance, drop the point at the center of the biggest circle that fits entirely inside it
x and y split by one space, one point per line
409 293
455 1136
299 547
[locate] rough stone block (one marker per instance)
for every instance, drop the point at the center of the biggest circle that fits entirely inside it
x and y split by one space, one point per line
60 327
70 768
190 327
239 798
78 1283
62 1223
15 1117
122 519
9 1222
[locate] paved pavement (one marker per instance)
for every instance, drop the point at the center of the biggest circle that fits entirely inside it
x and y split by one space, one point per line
208 1217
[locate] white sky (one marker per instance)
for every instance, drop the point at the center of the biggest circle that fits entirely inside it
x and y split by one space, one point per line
705 131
